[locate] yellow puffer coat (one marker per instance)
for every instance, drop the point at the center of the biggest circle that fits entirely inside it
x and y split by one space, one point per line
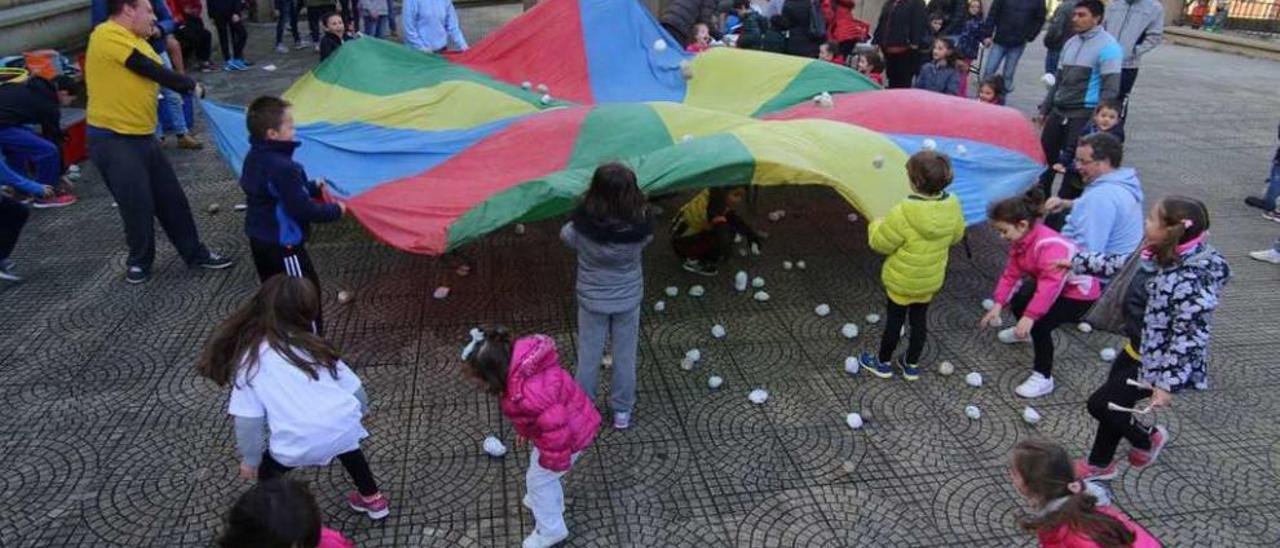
916 235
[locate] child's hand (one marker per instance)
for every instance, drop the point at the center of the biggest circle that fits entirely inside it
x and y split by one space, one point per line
1059 168
235 18
46 192
1061 264
1056 204
248 472
1023 329
1160 398
990 318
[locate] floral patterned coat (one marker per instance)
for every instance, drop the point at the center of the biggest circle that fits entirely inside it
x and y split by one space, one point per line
1179 313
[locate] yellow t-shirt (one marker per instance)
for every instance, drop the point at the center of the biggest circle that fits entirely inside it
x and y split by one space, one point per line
120 100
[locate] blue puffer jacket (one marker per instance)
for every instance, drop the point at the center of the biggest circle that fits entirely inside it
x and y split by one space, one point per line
279 195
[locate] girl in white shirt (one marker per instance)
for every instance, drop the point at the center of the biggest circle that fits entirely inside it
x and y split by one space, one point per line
291 385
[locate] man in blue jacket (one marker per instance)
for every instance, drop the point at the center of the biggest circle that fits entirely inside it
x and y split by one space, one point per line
1016 22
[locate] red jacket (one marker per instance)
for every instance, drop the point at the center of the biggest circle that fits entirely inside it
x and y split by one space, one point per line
186 7
546 405
1064 537
1034 255
841 26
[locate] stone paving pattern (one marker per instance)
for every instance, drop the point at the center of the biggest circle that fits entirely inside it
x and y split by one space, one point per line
110 439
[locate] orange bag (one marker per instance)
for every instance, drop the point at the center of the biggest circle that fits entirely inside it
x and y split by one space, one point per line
43 63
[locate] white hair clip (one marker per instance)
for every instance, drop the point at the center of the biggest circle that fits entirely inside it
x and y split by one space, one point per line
477 337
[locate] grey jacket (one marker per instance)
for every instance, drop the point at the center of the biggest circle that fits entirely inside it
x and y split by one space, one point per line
1138 25
610 276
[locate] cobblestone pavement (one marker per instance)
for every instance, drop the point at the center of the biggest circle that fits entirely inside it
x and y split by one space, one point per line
109 438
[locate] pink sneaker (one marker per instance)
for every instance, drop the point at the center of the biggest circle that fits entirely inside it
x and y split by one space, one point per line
56 201
1086 471
1140 458
377 507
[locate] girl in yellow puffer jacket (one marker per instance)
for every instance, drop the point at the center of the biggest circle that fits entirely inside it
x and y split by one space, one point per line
916 235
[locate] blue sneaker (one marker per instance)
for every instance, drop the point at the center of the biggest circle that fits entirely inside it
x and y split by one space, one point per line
875 366
909 372
233 65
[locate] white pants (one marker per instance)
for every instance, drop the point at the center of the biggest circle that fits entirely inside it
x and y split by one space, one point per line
545 497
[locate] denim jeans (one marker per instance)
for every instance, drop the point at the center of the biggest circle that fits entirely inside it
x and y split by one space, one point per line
1010 55
375 25
391 14
288 15
172 102
1272 196
1051 61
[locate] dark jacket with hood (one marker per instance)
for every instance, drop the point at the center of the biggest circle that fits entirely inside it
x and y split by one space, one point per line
1059 27
800 41
902 23
279 195
32 102
610 277
1016 22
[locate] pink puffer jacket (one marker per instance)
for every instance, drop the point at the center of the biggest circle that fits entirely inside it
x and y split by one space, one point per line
546 405
1034 255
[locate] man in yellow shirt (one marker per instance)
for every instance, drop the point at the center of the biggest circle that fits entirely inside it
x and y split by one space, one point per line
123 76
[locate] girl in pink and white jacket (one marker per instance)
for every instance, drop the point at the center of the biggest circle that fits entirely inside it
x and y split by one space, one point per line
1060 297
547 408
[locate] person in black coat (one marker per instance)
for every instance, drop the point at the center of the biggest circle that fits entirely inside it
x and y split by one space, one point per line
800 41
901 33
1016 22
680 16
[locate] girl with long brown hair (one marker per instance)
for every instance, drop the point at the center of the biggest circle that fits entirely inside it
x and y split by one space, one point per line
290 387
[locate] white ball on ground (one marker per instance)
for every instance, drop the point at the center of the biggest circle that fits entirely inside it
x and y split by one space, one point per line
801 265
659 306
440 293
755 248
737 238
853 217
687 364
742 252
988 304
761 296
854 420
822 310
659 45
946 369
1108 354
240 207
740 281
463 270
718 331
787 265
520 228
693 354
849 330
757 282
493 446
714 382
344 297
973 412
758 396
672 291
974 379
851 365
1031 415
697 291
1084 327
873 318
214 209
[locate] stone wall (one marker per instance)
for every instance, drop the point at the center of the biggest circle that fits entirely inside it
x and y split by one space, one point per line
34 24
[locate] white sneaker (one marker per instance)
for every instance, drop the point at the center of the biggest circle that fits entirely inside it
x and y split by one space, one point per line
1035 386
538 540
1267 256
280 48
1006 336
621 421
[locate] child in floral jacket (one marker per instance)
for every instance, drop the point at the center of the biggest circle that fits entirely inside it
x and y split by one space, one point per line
1168 312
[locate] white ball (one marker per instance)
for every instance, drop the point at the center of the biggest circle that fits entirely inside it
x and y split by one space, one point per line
761 296
546 99
961 150
659 306
493 446
929 144
687 364
854 420
755 248
686 138
672 291
786 265
718 331
440 292
1108 354
1084 327
849 330
822 310
740 281
974 379
714 382
686 70
659 45
693 354
878 162
697 291
737 238
742 252
1031 415
775 216
527 85
214 209
520 228
946 368
758 396
988 304
973 412
873 318
757 282
825 101
801 265
344 297
1049 79
237 207
542 88
851 365
853 217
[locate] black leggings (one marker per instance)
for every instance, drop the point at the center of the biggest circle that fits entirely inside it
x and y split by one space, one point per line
231 37
197 41
271 259
1060 131
353 461
13 216
901 68
1115 425
897 315
1064 310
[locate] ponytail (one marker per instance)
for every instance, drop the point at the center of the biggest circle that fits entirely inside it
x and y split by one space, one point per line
1184 219
1048 475
1028 207
490 362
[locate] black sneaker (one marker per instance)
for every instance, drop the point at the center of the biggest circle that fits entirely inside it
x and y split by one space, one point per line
214 261
137 275
1258 202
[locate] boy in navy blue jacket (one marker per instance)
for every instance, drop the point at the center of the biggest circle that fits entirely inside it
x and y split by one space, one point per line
280 198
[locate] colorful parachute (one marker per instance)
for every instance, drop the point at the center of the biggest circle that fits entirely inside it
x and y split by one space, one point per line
431 152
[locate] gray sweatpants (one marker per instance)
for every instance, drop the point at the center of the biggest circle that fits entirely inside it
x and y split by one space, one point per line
624 330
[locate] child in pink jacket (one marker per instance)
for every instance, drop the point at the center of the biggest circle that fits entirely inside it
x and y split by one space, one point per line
547 408
1059 297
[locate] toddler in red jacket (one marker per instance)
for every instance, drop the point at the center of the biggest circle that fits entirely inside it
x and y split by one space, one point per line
547 408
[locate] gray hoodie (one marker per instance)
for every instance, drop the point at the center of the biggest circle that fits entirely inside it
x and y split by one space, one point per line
610 277
1108 217
1138 25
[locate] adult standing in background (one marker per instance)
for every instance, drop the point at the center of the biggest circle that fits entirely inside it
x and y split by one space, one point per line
800 38
123 75
430 25
903 28
1056 34
1016 22
680 16
1138 25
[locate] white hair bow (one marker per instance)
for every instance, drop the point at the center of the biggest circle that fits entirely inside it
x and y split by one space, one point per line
477 337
